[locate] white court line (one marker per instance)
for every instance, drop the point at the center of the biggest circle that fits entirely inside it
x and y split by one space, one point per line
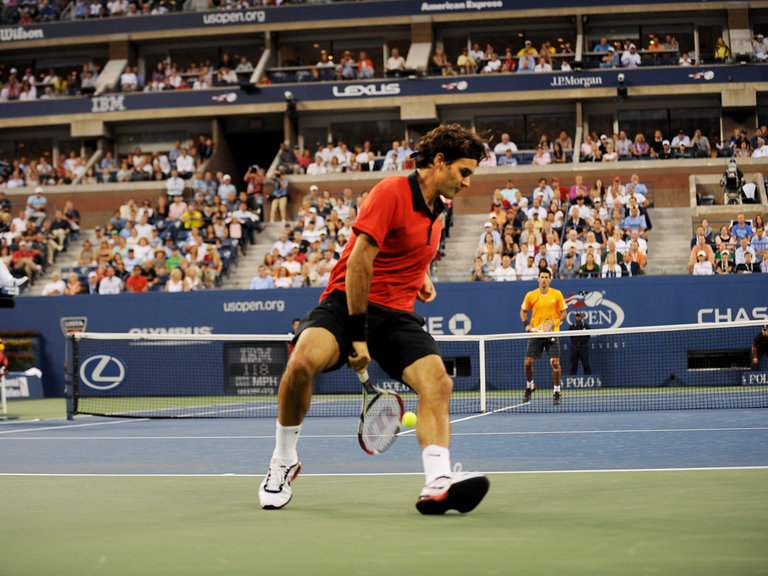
67 426
368 474
347 436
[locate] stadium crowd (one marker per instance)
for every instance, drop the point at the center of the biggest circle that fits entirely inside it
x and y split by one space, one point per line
140 166
573 230
227 70
740 247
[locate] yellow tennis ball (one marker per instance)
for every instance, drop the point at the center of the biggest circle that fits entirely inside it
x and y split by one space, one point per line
409 419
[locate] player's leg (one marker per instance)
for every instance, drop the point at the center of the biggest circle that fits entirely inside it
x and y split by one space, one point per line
316 350
403 349
428 378
554 361
445 489
533 350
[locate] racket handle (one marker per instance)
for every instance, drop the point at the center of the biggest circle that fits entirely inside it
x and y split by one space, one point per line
363 376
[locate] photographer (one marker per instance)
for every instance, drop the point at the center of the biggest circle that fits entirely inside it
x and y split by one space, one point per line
279 198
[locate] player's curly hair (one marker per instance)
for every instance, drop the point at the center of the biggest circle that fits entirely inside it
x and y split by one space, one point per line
453 140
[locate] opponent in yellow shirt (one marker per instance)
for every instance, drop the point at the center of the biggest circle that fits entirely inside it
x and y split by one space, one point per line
547 307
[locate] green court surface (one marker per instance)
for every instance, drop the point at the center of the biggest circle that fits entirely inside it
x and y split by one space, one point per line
695 522
36 409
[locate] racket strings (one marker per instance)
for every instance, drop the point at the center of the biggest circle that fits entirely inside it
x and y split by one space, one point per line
381 423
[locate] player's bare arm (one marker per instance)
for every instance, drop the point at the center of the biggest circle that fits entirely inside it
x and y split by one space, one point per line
427 293
358 284
524 319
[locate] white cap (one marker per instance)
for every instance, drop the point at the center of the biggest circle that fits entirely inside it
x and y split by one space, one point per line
313 210
632 46
313 188
603 137
227 177
488 225
39 190
701 253
665 142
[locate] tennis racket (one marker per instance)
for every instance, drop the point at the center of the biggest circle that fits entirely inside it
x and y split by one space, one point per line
380 417
548 325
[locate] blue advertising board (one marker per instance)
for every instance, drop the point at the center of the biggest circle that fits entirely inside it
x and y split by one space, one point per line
345 92
270 16
460 309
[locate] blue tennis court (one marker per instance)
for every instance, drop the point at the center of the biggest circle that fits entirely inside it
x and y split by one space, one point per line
496 443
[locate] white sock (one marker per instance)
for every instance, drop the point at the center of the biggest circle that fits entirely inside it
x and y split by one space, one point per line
437 462
557 388
529 384
286 439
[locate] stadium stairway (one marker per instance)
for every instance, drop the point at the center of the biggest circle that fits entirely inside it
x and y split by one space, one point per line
63 260
240 275
460 248
669 241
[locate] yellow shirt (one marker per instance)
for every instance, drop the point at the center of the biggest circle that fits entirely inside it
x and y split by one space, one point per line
544 306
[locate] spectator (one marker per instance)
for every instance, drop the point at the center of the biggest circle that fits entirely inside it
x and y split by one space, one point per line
73 286
641 148
110 284
37 206
611 268
748 266
700 246
262 280
742 250
568 268
505 272
176 282
185 164
759 244
722 52
395 63
630 58
741 229
479 272
279 197
635 259
55 287
174 186
137 282
724 264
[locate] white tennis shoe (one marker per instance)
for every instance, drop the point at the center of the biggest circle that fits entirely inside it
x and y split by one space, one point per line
460 491
275 490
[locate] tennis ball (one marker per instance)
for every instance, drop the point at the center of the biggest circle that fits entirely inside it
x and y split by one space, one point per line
409 419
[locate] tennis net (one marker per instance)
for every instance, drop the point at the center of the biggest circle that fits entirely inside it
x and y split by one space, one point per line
236 376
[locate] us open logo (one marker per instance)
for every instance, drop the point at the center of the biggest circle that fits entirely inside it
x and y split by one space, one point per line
102 372
595 308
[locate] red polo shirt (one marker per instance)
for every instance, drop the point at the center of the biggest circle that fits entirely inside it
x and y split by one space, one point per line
408 234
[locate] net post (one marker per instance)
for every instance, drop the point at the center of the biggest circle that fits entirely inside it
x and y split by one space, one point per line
69 378
481 357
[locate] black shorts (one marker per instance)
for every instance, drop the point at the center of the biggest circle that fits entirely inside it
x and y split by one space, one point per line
396 339
537 345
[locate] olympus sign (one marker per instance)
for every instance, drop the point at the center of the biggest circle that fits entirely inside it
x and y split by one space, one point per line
102 372
355 90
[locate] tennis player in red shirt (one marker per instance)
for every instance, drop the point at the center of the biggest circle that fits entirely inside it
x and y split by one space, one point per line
367 312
